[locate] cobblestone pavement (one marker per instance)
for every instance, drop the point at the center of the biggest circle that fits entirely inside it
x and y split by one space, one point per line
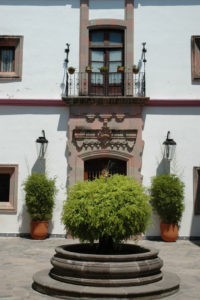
20 258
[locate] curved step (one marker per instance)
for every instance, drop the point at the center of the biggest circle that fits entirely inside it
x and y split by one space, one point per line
109 270
106 282
43 283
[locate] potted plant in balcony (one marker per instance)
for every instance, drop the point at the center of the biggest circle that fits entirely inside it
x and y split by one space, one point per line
167 195
40 192
88 69
71 70
104 69
135 69
120 69
109 210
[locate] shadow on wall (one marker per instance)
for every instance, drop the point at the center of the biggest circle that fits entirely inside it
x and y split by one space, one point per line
24 220
138 3
163 167
72 3
153 230
195 227
39 166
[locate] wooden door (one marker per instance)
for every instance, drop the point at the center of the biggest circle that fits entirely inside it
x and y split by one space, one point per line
109 83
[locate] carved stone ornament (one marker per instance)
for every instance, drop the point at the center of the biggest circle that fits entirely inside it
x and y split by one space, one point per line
84 138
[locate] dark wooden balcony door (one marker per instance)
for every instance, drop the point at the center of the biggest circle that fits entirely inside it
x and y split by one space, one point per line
95 168
106 49
109 83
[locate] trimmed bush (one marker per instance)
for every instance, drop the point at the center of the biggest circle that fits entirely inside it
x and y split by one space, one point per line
40 192
109 210
167 195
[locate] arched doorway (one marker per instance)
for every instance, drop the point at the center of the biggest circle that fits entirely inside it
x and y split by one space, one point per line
94 168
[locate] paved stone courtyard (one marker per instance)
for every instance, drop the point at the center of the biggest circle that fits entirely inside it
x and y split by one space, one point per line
20 258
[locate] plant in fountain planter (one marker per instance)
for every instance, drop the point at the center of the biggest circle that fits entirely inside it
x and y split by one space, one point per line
71 70
104 69
108 210
135 69
40 192
167 195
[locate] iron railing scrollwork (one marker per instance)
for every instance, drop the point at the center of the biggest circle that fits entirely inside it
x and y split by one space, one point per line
108 84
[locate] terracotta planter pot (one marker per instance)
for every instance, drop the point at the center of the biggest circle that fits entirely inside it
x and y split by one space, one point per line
88 70
169 232
71 71
135 71
39 229
120 69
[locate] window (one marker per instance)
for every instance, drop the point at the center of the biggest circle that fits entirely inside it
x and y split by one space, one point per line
8 188
106 49
11 48
196 178
195 58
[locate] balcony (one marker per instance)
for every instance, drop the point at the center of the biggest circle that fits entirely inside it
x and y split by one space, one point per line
106 88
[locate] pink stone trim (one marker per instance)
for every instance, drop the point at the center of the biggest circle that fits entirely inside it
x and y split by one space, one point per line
107 23
173 103
32 102
60 103
18 45
11 206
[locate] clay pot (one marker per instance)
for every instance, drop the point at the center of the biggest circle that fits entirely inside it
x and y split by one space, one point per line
169 232
136 70
39 229
71 71
120 69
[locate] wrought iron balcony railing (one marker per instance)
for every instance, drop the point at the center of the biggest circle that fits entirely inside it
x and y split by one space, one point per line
107 84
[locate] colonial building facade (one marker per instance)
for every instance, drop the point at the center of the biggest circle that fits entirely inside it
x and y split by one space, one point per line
100 118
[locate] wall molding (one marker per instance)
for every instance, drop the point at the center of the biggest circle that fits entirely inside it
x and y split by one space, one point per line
60 103
173 102
31 102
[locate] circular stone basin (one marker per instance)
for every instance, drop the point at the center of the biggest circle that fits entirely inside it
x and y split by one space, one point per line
79 273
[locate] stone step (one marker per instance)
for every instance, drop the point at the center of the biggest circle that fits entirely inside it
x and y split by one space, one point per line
106 282
43 283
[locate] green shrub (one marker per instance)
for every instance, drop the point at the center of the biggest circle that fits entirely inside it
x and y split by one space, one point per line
167 195
112 209
40 192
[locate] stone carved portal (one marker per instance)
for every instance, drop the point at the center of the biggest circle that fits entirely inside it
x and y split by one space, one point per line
112 132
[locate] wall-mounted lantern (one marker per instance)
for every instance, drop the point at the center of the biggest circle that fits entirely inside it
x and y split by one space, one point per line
66 65
170 146
43 144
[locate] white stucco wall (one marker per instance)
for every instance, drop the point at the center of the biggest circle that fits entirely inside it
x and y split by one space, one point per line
47 26
19 129
167 26
104 9
183 123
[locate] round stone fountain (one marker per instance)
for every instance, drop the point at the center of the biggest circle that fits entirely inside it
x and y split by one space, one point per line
79 274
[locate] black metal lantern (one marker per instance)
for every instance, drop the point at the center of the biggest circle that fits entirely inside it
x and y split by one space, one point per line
66 66
170 146
43 144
